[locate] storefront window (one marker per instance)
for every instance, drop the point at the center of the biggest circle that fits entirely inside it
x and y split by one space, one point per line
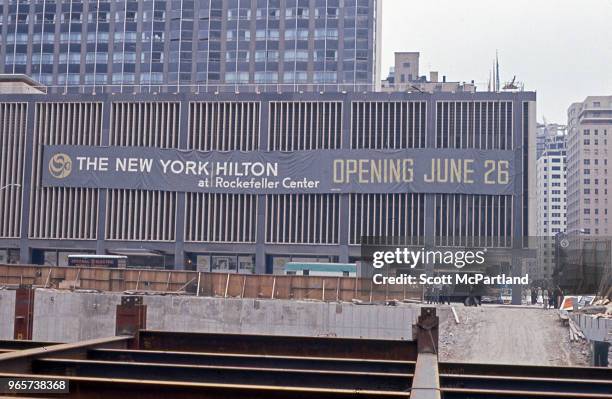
224 264
221 263
203 263
59 258
278 264
246 264
50 258
62 258
3 256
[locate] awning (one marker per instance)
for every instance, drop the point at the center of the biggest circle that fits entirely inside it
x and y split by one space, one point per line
136 252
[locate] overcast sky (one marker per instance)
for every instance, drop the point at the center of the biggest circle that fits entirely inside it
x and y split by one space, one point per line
560 48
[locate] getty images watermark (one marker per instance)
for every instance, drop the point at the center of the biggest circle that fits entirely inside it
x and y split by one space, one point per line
400 258
407 261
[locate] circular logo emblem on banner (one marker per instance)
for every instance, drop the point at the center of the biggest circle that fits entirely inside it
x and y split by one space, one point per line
60 166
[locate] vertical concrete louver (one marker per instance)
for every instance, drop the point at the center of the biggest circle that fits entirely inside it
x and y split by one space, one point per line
222 126
473 220
391 215
304 218
13 118
142 215
388 124
57 212
313 125
474 124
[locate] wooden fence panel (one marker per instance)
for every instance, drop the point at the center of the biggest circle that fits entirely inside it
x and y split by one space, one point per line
210 284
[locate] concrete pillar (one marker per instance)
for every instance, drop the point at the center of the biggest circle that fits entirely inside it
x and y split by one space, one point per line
344 228
25 257
103 193
345 143
179 232
600 353
260 234
429 225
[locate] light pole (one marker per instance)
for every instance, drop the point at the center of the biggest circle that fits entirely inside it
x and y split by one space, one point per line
10 185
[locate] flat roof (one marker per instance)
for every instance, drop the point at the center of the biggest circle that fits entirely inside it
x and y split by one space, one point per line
20 84
19 77
93 256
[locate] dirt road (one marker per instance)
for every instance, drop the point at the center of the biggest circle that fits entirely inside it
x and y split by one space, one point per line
510 335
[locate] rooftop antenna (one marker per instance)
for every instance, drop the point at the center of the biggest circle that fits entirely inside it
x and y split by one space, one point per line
497 84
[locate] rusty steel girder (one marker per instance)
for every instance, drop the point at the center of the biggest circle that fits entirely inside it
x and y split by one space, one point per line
180 365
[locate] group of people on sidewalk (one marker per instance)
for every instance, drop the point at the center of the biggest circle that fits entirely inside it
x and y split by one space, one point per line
438 293
549 298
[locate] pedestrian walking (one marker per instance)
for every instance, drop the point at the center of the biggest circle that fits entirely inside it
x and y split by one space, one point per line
446 294
534 295
551 300
558 297
545 298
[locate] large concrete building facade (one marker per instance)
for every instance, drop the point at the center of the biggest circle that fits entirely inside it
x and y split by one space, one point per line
260 232
193 45
589 147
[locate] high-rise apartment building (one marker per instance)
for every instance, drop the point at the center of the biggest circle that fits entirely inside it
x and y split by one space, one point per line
207 45
549 133
551 198
589 147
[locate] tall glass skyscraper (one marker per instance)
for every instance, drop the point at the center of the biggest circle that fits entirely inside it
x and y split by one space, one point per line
195 44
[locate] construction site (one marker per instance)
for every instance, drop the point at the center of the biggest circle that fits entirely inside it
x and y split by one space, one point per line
178 334
223 199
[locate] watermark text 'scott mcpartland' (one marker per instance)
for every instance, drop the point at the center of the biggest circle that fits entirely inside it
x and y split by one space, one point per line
402 257
571 263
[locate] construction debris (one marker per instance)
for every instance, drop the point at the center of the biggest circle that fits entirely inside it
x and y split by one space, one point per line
455 314
593 310
575 333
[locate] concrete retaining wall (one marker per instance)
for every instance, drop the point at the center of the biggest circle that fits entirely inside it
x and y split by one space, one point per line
7 314
279 317
64 316
594 329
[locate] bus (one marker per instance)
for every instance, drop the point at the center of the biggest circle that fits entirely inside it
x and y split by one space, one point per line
89 260
321 269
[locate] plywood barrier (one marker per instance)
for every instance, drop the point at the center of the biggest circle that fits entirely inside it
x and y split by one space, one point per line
208 284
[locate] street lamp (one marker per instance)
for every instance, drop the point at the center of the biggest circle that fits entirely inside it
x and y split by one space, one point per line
10 185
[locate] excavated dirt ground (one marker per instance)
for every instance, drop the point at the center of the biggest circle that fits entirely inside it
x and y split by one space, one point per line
509 335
